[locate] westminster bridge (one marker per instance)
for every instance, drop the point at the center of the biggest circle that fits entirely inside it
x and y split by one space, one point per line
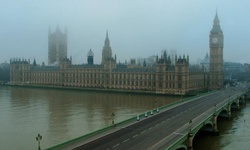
171 127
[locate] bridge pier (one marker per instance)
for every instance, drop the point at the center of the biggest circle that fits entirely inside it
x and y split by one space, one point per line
243 99
229 111
190 141
238 103
215 129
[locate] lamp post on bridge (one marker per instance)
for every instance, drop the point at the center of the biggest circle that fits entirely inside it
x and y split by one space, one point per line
190 136
214 108
155 104
113 117
190 123
39 138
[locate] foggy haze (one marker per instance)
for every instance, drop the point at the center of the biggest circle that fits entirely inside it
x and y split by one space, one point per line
137 29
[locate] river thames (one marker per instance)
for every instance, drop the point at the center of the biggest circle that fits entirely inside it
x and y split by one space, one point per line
61 115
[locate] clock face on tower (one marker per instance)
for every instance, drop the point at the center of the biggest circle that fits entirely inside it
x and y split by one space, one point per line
214 40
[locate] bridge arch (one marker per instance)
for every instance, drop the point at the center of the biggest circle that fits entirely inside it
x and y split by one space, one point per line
234 105
207 126
224 112
181 147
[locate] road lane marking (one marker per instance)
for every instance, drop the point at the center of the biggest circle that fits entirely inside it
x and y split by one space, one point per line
116 145
178 133
125 140
135 135
149 128
156 125
143 131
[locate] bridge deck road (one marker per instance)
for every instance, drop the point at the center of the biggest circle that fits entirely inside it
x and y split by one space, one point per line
148 132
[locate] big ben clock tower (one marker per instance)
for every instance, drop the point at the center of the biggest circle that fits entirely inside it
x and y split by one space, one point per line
216 40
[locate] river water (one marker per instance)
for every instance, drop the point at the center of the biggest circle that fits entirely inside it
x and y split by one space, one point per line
61 115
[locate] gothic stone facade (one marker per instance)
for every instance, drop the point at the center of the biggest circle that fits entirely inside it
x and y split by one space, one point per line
163 77
216 41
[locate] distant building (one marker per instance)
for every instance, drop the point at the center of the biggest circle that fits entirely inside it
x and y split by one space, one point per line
57 47
205 62
4 72
233 70
247 67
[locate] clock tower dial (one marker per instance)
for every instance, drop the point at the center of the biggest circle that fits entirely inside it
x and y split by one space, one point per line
215 40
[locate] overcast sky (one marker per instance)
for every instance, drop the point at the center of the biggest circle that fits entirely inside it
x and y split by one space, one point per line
137 28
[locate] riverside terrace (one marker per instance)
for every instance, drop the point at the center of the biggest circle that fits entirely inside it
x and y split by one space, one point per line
169 127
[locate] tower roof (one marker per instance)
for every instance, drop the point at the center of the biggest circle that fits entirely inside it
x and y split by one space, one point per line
90 53
216 19
216 26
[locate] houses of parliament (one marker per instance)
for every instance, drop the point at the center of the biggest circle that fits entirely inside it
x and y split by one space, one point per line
164 76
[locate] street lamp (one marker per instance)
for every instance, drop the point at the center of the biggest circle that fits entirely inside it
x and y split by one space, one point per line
155 103
39 138
113 117
190 122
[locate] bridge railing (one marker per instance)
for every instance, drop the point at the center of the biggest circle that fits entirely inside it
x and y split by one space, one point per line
184 100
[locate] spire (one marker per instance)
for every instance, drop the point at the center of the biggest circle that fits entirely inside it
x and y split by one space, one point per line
34 63
216 26
144 63
107 40
106 51
216 19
